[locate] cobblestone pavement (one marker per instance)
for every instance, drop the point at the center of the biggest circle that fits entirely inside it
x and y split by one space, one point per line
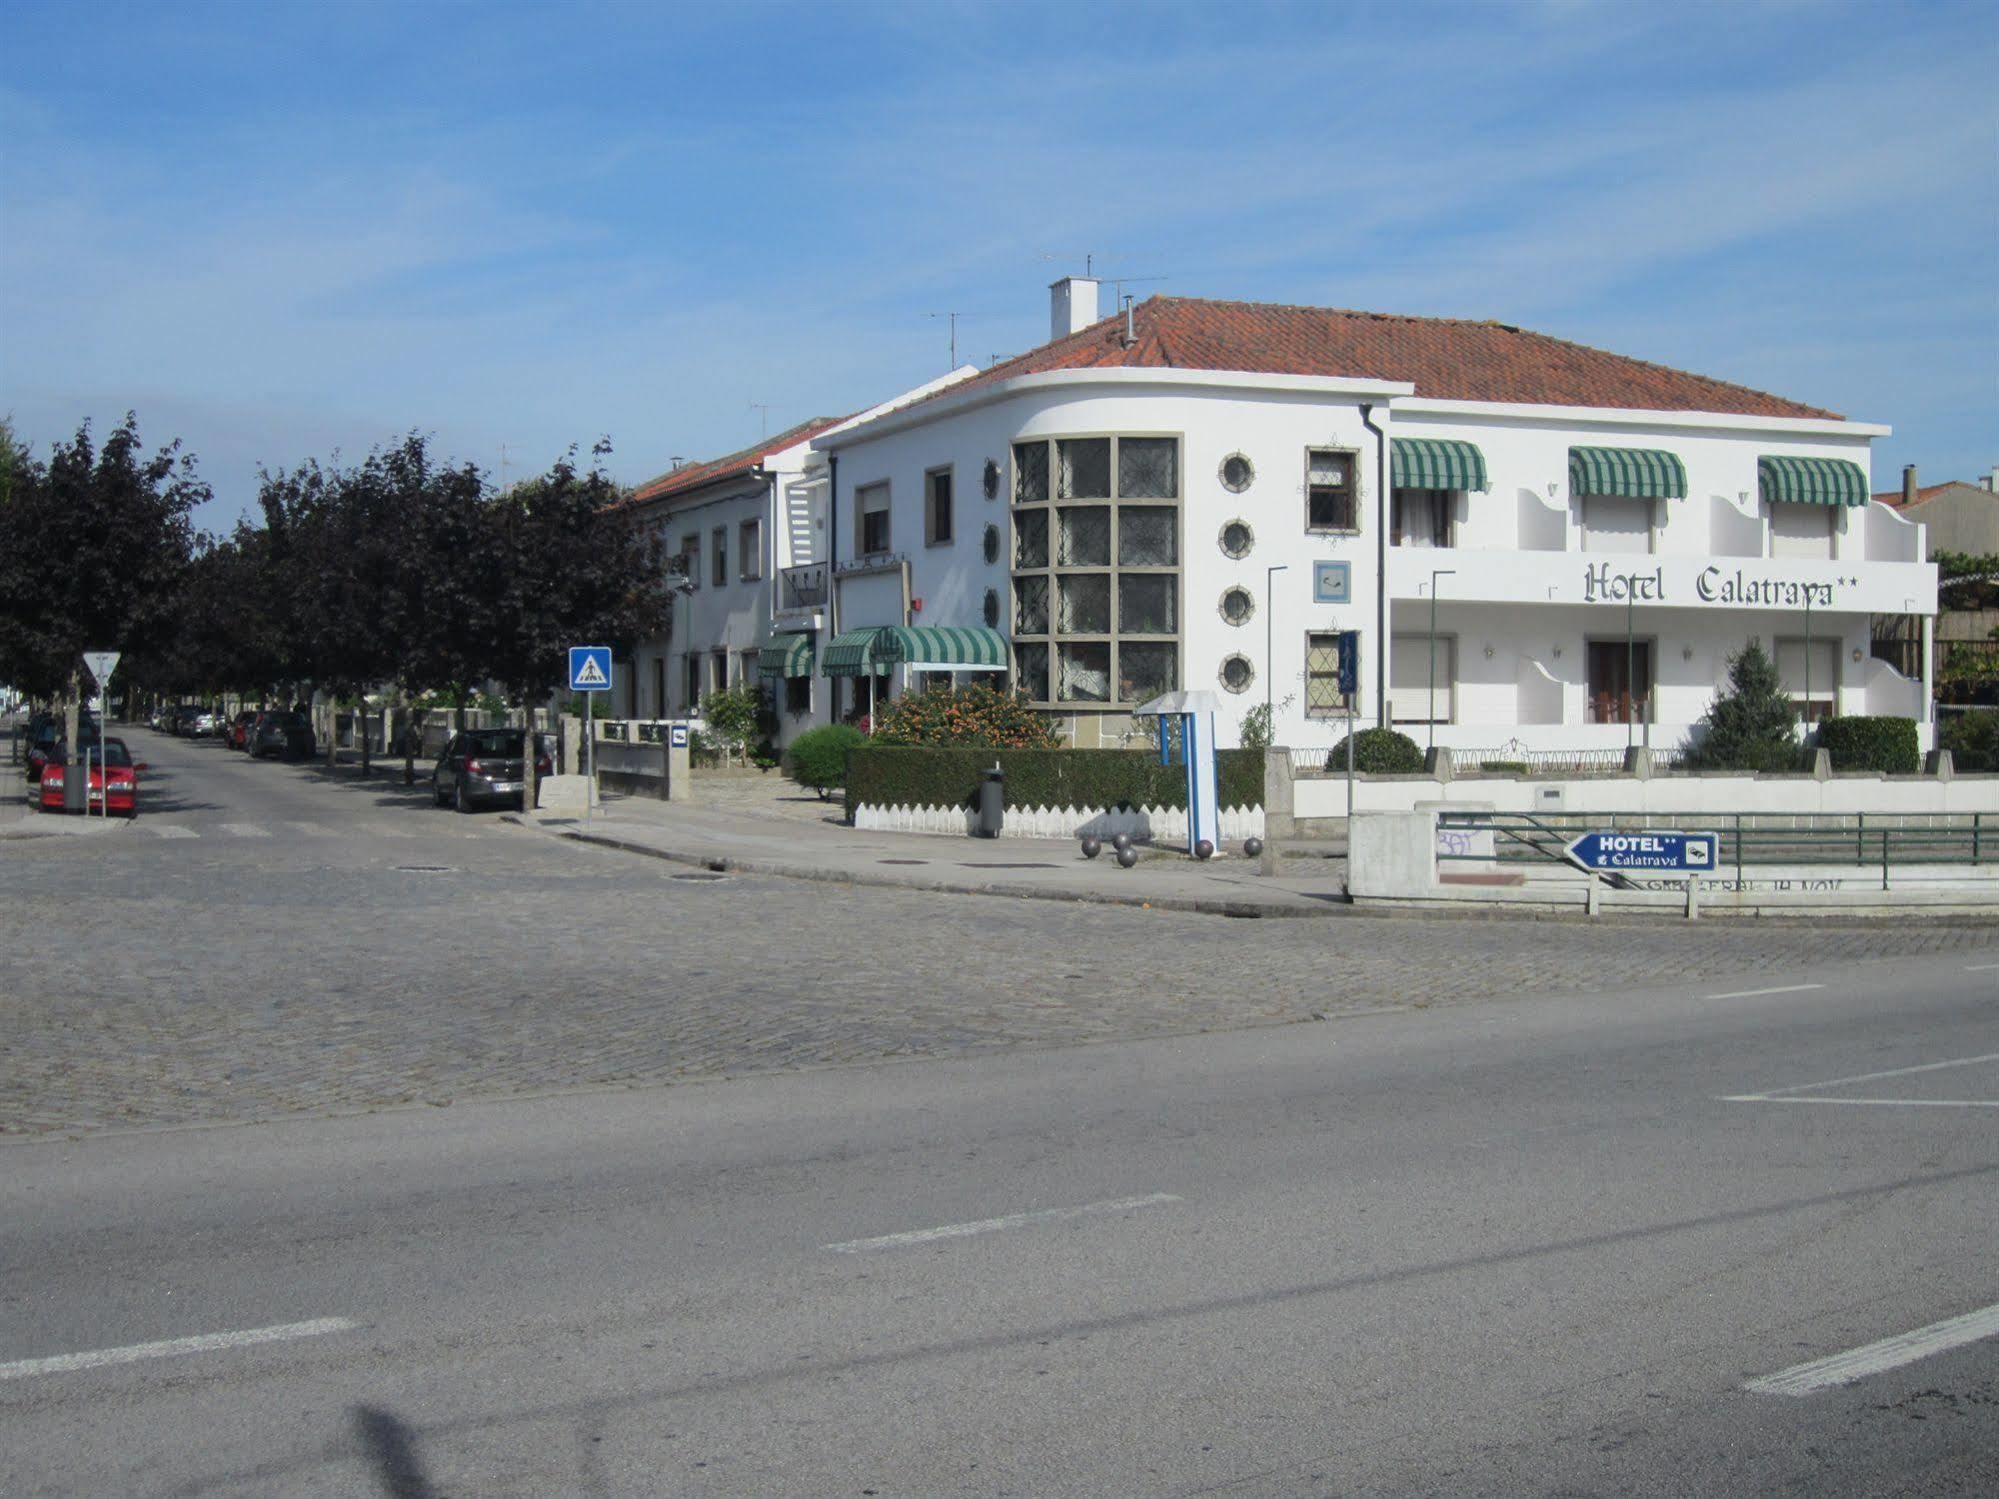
312 944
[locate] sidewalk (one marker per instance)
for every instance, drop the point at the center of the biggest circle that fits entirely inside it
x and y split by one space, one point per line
801 838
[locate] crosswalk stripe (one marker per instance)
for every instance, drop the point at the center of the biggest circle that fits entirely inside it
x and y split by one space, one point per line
170 830
311 829
245 830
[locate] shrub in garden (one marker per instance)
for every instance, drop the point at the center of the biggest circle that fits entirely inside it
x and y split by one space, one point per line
817 759
961 715
1379 752
1751 724
1972 739
1872 743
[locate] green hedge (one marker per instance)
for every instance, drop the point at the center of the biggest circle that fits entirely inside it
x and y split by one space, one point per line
1972 739
1865 743
886 776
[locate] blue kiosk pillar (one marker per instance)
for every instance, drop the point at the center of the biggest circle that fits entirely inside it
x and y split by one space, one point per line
1187 734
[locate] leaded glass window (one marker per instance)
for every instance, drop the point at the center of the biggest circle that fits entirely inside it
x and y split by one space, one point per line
1236 539
1148 536
1096 583
1083 468
1148 468
1083 536
1323 697
1146 604
1237 606
1237 673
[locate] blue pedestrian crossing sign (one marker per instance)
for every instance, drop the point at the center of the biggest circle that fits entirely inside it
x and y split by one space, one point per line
589 668
1648 852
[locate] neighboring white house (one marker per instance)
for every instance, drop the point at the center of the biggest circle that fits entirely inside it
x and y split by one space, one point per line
747 533
1201 494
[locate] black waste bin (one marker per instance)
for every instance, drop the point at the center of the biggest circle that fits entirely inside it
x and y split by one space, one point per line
992 803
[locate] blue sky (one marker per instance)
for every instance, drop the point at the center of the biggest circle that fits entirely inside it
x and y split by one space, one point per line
278 230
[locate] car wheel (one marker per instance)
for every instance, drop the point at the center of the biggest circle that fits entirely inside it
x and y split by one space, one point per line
464 802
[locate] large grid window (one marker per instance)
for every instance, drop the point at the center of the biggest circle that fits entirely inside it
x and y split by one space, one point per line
1332 502
1096 569
1323 698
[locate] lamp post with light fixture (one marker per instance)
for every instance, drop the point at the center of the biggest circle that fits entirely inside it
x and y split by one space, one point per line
1435 573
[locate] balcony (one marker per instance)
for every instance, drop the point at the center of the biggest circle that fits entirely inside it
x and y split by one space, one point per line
802 587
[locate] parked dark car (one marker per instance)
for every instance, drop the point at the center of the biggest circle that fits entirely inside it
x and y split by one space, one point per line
481 767
45 737
286 735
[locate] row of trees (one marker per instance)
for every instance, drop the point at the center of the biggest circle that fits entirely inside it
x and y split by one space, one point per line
401 571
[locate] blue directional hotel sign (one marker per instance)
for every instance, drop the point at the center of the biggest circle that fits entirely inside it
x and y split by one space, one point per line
589 668
1648 853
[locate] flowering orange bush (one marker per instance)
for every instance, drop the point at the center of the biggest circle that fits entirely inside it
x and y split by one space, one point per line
962 715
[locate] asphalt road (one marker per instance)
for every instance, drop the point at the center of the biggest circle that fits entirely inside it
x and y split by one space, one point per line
1519 1242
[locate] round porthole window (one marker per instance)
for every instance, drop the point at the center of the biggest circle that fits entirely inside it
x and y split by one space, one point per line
989 480
992 608
1237 473
1237 673
991 544
1237 606
1237 539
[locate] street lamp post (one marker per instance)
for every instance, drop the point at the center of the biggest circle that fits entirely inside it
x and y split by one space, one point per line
1269 638
1435 573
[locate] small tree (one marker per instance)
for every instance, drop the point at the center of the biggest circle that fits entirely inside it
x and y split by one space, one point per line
1258 727
1379 752
817 759
734 718
1751 725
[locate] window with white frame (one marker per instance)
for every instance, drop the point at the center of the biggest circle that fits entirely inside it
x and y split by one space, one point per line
1410 679
690 548
1323 698
937 516
750 550
871 530
1332 502
1802 530
720 537
690 682
1096 569
1809 673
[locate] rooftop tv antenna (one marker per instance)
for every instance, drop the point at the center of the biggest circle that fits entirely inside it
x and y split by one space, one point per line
954 333
764 411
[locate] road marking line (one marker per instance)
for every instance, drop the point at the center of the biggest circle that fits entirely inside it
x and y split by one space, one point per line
993 1225
311 829
1878 1358
66 1363
1758 993
1868 1077
1980 967
171 830
246 830
1895 1103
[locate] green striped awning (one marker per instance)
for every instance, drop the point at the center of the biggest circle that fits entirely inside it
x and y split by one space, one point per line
860 653
856 653
1812 481
1435 463
1637 473
787 655
959 648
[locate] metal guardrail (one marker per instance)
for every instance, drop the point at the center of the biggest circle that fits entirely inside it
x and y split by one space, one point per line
1749 840
1517 757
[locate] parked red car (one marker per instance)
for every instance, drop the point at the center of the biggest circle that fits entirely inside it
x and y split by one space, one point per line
114 781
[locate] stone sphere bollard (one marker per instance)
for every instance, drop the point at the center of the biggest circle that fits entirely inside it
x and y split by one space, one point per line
1204 850
1127 856
1092 845
1252 847
1121 842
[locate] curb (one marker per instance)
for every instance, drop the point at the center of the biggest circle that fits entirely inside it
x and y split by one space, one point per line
1240 909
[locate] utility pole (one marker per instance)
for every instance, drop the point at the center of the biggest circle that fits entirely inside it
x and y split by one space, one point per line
1435 573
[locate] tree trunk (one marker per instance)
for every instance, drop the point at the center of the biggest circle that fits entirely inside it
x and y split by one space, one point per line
362 736
527 760
332 731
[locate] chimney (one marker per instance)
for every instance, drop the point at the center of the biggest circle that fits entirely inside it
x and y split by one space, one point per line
1072 305
1908 484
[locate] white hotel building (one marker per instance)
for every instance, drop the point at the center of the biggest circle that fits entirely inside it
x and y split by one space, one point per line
1517 542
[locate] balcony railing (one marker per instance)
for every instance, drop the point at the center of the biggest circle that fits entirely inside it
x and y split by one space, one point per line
802 587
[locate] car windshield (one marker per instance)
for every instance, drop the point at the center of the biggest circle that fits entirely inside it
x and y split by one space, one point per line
493 742
115 754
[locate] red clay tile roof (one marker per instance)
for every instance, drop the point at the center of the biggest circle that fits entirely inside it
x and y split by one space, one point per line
1445 358
1929 491
693 475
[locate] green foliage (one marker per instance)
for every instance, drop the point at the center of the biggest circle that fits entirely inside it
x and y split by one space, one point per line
734 717
1379 752
1751 725
963 715
1871 743
1972 739
883 775
1257 727
817 759
588 704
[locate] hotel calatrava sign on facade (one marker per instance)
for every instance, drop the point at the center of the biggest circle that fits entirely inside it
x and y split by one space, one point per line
1733 586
